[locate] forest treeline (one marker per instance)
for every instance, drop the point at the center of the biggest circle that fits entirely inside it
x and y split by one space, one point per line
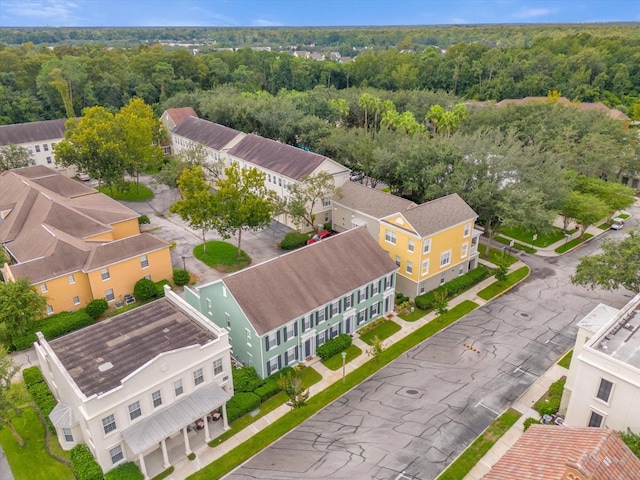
46 82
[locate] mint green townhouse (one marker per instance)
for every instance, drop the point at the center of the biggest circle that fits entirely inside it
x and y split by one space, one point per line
278 312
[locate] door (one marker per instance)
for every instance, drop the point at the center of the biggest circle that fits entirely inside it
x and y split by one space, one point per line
308 348
347 325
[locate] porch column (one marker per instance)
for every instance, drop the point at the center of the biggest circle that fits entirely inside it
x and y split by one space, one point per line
225 424
165 455
187 447
143 467
207 437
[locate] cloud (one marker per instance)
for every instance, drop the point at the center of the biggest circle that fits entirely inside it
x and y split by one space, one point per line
263 22
58 11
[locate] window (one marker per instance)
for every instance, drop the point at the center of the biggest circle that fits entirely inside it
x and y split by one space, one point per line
398 260
467 229
227 319
157 398
335 309
307 323
217 366
134 410
49 160
68 436
425 267
595 420
426 247
465 247
108 294
291 355
148 277
248 335
326 202
49 309
348 302
373 310
445 258
362 317
290 331
443 279
76 300
144 261
362 295
279 181
269 177
320 318
38 148
177 388
374 288
321 338
272 340
423 288
109 424
390 236
409 267
411 245
198 377
104 273
116 454
604 391
272 365
46 147
43 288
71 279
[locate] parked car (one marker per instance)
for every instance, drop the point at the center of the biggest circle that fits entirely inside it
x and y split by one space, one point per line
319 236
617 223
85 177
356 176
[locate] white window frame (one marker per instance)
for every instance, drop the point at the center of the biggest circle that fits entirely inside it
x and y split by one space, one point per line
326 202
273 361
144 262
76 300
217 366
156 398
49 309
43 288
409 267
178 389
445 258
198 377
411 245
599 414
116 454
467 230
135 411
109 295
71 279
334 310
600 386
291 355
465 250
109 424
390 236
398 260
425 267
426 246
374 289
272 340
291 331
105 275
67 434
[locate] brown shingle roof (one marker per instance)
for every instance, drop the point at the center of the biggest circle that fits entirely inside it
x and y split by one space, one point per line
279 290
125 248
179 115
208 133
32 132
370 201
545 452
439 214
286 160
127 341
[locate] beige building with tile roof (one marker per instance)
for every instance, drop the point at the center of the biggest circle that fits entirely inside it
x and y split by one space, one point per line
73 243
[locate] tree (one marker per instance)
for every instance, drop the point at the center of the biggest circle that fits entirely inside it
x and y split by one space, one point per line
12 395
197 205
616 266
306 194
20 306
632 440
377 347
292 385
585 209
13 156
242 202
441 301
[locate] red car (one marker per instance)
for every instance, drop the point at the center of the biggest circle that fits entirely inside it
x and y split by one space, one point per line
319 236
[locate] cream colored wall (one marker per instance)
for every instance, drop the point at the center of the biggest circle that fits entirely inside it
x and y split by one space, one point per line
60 292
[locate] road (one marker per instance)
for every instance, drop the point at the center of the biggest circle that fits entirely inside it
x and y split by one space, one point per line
417 414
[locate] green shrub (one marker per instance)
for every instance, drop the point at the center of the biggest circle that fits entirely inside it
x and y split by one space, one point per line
181 277
160 287
268 389
44 400
240 404
31 376
530 421
145 289
333 346
550 403
84 465
96 307
458 285
327 226
245 379
52 327
400 298
293 240
143 220
126 471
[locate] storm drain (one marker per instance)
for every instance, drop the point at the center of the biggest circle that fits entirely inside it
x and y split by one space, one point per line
410 392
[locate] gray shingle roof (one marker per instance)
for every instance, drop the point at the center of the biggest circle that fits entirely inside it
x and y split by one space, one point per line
439 214
127 341
208 133
32 132
292 162
280 290
371 201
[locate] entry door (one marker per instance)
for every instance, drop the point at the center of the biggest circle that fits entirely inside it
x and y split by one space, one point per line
308 348
347 325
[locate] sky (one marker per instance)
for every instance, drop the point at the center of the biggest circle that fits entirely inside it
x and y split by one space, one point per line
299 13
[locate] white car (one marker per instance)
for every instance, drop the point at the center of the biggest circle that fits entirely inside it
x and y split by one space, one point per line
617 223
85 177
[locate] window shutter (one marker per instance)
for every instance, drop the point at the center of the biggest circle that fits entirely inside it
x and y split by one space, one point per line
297 354
278 337
295 329
303 323
339 307
327 312
317 319
284 333
279 362
266 343
268 368
359 299
286 358
380 285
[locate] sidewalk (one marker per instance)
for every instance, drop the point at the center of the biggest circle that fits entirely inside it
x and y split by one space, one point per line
206 455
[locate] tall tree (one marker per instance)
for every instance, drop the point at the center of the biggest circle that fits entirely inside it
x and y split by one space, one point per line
242 202
20 307
12 395
305 195
13 156
616 266
585 209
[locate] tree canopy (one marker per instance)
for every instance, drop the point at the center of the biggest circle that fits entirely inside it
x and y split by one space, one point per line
20 306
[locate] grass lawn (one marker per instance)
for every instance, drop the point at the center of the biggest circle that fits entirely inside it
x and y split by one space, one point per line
131 195
31 462
496 256
417 314
516 245
498 287
382 331
295 417
573 243
566 360
222 256
623 216
334 363
544 239
481 445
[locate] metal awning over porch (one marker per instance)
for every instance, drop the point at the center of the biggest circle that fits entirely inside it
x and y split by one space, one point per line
62 416
149 432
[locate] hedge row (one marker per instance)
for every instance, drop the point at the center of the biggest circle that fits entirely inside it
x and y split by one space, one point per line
242 403
53 327
334 346
550 403
454 287
84 465
40 394
293 240
267 390
126 471
245 379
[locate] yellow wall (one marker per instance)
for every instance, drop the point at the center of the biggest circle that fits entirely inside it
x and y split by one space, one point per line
125 229
60 292
103 237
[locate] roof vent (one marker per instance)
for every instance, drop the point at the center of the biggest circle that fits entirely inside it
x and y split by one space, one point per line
105 366
606 461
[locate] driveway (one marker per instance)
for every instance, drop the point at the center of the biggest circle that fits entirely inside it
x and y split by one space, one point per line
411 419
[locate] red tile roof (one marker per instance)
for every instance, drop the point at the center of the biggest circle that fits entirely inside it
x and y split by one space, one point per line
179 115
548 453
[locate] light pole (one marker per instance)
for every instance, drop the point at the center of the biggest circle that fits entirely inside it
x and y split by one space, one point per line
344 359
184 265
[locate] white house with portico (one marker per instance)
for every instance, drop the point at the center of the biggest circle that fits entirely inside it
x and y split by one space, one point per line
143 386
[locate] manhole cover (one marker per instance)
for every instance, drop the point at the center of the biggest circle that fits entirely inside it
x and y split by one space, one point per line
412 392
524 315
